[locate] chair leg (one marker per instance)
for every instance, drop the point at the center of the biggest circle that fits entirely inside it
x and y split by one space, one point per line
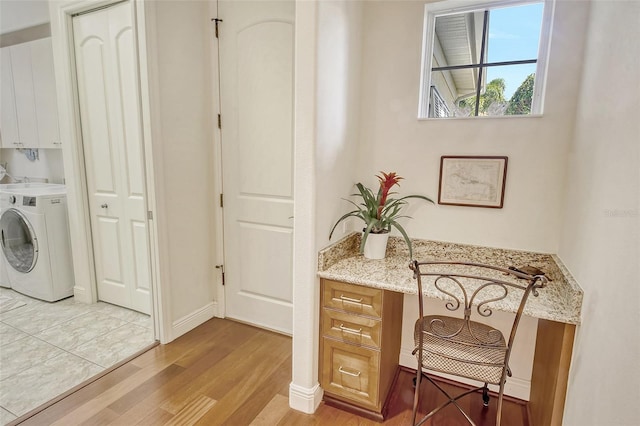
485 395
416 394
499 409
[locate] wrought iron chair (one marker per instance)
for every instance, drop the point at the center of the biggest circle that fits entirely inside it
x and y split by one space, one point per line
460 346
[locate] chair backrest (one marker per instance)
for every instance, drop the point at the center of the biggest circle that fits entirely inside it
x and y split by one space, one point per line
479 287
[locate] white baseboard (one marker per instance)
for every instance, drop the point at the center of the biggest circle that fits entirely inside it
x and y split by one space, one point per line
304 399
80 294
192 320
516 387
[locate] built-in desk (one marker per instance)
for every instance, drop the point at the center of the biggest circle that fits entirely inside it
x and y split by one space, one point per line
557 308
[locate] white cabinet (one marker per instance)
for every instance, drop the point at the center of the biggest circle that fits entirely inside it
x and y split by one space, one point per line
31 114
8 116
25 98
44 85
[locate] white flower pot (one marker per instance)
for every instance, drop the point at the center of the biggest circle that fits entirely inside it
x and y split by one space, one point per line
376 246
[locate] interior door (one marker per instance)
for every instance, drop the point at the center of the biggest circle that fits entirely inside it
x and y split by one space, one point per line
112 140
256 92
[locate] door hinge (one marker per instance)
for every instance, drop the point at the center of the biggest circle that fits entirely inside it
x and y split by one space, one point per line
150 215
221 267
221 200
219 121
217 23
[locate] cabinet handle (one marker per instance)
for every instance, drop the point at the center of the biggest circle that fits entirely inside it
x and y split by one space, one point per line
104 206
349 299
350 330
348 373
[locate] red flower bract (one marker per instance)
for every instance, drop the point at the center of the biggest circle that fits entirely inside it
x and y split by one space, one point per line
387 181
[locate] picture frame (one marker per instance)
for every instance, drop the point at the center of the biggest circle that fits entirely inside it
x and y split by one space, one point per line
473 181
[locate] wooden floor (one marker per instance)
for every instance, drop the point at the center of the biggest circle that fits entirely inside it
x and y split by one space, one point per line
228 373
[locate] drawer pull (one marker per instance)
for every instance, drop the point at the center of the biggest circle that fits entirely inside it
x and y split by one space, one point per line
349 299
350 330
348 373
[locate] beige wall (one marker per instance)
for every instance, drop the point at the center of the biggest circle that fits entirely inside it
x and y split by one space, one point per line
392 139
184 149
601 228
338 111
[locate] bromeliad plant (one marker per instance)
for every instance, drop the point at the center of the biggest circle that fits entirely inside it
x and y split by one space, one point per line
379 211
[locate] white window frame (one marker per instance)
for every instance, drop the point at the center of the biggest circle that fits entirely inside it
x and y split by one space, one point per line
450 7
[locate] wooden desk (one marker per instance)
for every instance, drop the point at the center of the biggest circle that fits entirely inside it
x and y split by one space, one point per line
557 309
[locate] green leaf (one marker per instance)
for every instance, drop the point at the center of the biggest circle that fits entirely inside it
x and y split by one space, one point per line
406 237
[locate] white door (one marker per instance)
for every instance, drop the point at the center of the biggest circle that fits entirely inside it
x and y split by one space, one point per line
256 92
111 132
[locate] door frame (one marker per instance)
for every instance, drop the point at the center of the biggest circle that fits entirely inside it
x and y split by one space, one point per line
219 184
85 289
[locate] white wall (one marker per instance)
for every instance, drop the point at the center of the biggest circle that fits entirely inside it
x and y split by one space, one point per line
327 57
48 165
392 139
338 111
183 91
19 14
601 229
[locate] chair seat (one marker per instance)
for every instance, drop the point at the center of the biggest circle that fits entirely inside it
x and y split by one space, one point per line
476 351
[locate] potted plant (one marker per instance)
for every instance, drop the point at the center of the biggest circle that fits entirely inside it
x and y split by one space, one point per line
379 212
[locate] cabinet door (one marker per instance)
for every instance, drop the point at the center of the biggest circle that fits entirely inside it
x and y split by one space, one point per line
8 117
44 85
351 373
25 97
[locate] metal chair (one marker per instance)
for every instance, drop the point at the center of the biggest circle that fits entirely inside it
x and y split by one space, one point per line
460 346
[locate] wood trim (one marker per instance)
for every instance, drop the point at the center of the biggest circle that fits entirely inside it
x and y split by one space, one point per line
391 340
554 347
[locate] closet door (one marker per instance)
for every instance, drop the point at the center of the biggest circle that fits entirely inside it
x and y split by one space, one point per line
112 140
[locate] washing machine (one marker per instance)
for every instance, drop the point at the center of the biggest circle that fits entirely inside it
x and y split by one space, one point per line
4 277
34 235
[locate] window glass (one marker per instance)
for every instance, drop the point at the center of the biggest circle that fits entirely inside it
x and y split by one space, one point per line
484 61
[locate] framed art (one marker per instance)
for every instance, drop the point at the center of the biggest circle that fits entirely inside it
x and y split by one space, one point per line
472 181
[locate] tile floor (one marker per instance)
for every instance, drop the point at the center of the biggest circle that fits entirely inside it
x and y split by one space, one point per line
48 348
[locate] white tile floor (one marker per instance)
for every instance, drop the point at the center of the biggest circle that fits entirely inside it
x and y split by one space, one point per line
48 348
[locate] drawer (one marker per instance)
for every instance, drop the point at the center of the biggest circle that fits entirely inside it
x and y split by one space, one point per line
351 373
351 328
352 298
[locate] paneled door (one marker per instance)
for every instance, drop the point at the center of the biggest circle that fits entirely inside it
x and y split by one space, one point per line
256 92
108 94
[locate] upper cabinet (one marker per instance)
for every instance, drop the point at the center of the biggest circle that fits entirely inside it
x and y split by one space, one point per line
29 106
8 116
44 85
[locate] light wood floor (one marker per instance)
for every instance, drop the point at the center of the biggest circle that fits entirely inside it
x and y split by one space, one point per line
223 372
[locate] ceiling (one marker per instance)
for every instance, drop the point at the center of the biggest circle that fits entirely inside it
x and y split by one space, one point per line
18 14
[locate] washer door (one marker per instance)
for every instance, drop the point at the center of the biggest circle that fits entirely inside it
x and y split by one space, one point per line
19 242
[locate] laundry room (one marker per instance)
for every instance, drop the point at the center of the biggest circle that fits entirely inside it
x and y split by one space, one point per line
51 340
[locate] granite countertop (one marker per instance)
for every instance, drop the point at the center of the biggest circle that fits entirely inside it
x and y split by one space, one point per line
560 300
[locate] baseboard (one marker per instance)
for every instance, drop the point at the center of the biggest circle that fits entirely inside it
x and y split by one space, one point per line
515 387
80 294
192 320
304 399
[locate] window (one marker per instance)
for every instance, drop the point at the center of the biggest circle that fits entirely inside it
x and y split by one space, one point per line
484 59
438 106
